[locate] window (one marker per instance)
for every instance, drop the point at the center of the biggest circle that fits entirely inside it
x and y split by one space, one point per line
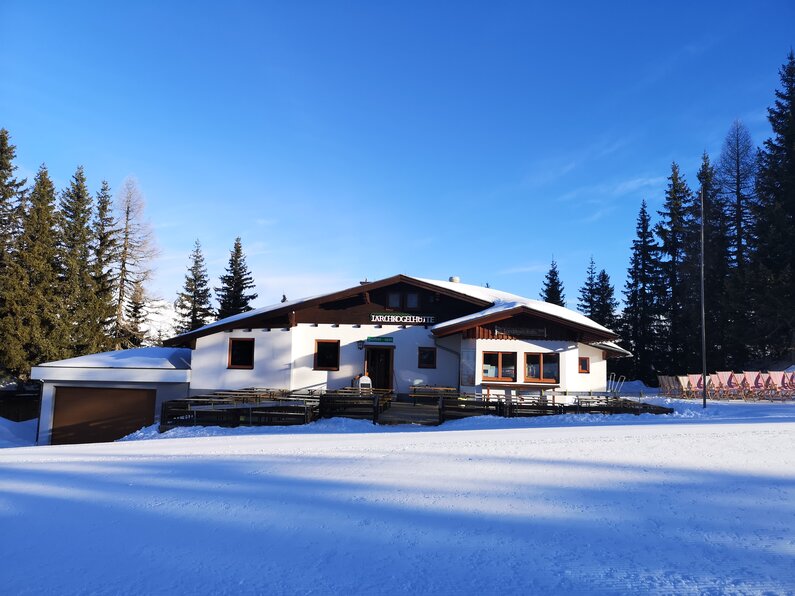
403 300
499 366
241 353
585 364
327 354
542 368
427 358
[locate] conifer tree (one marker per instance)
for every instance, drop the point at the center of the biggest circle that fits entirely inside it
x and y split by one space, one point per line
11 196
604 303
104 267
135 251
718 290
552 288
586 301
136 316
232 297
33 325
735 178
77 284
11 190
640 326
773 259
193 303
675 232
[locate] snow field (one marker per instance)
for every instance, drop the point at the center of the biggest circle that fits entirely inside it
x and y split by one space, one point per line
689 506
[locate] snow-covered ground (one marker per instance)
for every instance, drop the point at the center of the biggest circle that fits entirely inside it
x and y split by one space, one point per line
694 502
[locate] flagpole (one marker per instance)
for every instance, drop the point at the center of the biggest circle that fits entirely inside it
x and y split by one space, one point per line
703 315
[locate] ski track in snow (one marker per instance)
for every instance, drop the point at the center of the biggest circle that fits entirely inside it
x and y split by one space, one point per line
695 502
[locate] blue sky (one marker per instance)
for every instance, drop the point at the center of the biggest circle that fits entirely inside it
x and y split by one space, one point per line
345 141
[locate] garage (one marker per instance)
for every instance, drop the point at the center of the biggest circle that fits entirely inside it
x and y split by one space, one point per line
96 415
103 397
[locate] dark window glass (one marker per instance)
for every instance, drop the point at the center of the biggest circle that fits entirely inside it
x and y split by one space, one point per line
491 365
393 300
412 301
551 367
241 353
327 355
585 365
427 358
542 367
499 366
533 366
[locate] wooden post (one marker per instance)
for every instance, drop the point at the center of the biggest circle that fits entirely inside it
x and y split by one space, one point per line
441 409
376 403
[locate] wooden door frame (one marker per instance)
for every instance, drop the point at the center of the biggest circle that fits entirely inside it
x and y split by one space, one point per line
391 351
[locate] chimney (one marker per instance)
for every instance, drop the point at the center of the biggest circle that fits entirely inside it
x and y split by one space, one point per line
455 279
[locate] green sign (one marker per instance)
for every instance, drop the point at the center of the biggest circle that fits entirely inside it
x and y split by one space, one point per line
380 340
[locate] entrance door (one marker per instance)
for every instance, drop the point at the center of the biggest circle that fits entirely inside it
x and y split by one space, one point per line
379 367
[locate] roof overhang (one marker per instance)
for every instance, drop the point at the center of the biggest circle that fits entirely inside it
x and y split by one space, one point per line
110 375
453 327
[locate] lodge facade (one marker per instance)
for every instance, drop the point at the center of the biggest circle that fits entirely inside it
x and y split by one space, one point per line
400 331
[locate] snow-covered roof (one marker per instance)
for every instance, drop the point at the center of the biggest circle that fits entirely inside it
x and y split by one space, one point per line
499 301
249 314
504 301
151 357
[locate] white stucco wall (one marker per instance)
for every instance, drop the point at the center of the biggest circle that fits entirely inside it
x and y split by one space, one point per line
272 361
570 377
406 342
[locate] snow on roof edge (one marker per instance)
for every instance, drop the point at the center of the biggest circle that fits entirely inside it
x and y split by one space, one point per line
147 357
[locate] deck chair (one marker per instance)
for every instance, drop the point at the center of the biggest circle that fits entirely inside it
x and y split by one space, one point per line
715 388
753 386
696 385
683 385
776 385
731 386
768 389
668 387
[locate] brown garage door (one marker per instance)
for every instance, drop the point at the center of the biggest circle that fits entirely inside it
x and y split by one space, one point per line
96 414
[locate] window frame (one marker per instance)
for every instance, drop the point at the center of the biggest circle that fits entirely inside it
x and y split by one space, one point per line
248 340
499 367
541 378
587 369
422 349
326 341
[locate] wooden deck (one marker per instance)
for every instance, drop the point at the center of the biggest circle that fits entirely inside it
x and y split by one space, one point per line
427 406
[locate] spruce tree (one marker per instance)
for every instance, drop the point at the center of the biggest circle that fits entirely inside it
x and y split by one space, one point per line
552 288
77 284
586 301
104 268
773 260
718 291
640 319
11 196
604 303
34 325
735 178
232 297
136 316
11 190
676 235
193 303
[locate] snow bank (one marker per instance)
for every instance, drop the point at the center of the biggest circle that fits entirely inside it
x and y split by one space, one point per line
17 434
